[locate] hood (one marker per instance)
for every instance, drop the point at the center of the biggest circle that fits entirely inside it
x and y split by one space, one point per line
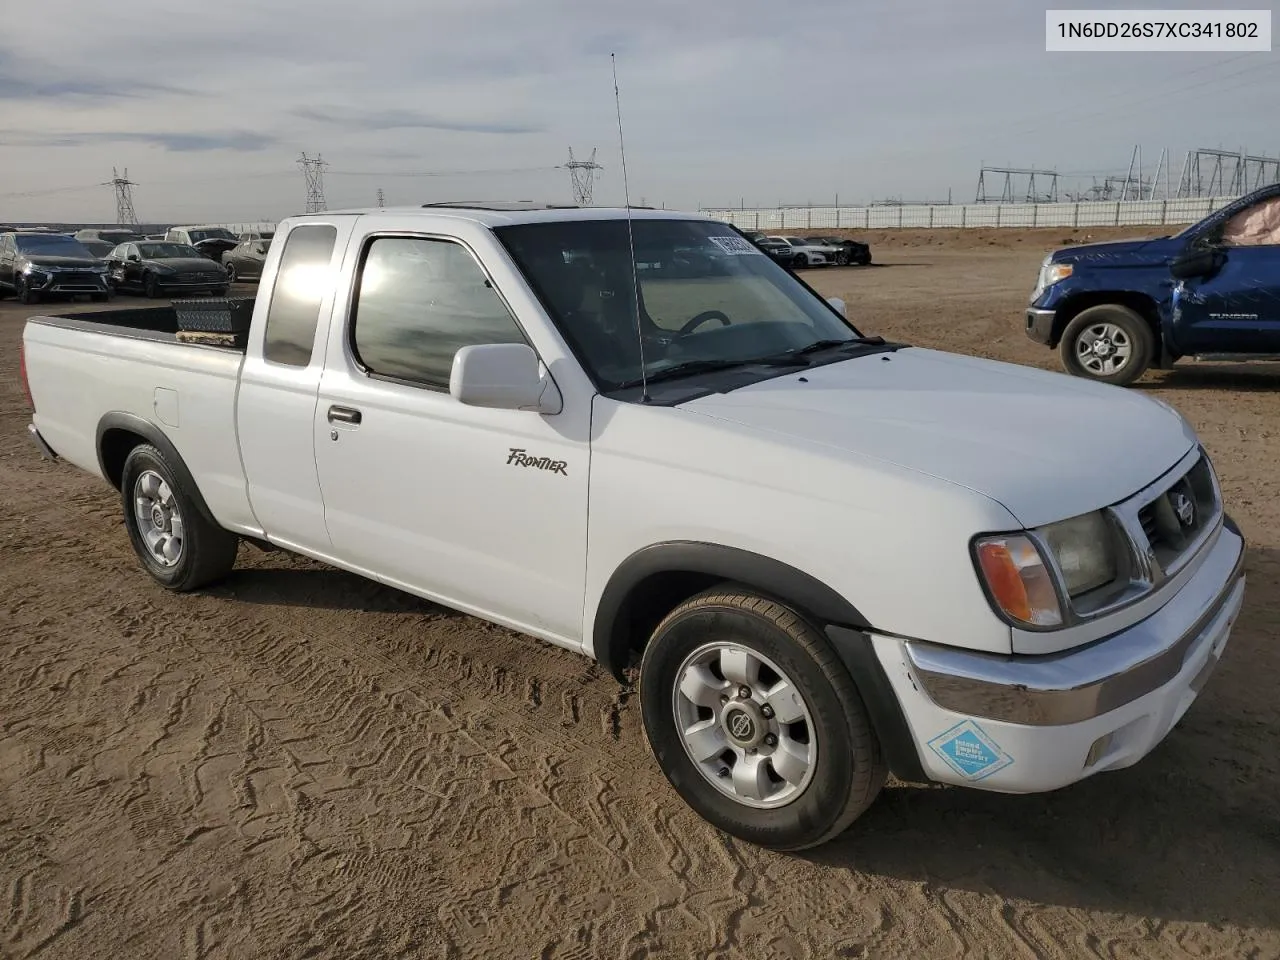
44 260
1044 445
185 264
1120 252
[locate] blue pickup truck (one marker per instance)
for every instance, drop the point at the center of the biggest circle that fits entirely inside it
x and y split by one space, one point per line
1210 292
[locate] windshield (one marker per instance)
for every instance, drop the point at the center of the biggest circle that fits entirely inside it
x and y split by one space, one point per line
211 233
705 295
167 251
52 246
116 236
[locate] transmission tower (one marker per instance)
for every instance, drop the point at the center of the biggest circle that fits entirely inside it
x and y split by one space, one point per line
582 177
313 173
124 197
381 200
1008 191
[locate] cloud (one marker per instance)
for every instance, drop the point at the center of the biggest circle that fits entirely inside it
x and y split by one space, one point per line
408 120
239 141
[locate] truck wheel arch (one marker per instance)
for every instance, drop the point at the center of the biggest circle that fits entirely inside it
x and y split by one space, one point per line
1140 303
118 433
655 579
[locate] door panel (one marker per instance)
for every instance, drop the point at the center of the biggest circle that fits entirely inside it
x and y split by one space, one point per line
1237 310
482 509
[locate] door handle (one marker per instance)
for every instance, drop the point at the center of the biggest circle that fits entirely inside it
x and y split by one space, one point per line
344 415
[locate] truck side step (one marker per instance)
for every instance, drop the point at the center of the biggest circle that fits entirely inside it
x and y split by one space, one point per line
1237 357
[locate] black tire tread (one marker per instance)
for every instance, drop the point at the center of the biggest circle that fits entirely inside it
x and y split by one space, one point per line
212 550
870 769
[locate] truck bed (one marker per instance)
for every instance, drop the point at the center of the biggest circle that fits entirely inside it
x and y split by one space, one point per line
158 324
87 371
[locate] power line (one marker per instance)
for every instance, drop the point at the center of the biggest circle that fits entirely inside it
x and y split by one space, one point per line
313 175
439 173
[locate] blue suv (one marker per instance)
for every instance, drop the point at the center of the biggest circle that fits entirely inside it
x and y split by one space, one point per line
1211 292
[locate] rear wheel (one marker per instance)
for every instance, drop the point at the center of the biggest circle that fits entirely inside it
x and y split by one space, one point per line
176 544
1108 343
756 722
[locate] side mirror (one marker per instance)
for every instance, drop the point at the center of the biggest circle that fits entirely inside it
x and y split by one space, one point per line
1200 262
134 256
506 376
838 304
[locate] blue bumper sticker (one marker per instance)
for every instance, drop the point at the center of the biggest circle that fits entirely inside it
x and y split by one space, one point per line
970 751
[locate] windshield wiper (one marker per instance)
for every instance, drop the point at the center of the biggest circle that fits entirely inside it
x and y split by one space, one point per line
827 344
690 367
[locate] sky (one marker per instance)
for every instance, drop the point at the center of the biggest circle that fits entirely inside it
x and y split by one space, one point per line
724 102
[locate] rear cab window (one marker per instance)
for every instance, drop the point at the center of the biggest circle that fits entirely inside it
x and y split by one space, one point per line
302 280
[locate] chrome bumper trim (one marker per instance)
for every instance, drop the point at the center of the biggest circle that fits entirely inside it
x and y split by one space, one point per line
1087 682
46 451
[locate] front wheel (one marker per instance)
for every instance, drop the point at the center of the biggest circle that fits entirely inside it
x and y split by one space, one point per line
150 288
23 291
231 273
756 722
1108 343
176 544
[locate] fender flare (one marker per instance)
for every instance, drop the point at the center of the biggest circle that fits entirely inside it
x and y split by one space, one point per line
612 641
150 433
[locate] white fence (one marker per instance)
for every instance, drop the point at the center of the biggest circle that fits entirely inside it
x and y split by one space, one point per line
1105 213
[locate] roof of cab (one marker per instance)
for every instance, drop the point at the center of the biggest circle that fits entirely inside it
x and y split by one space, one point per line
502 213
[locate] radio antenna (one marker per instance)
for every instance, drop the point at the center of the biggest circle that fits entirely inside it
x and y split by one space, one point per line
631 237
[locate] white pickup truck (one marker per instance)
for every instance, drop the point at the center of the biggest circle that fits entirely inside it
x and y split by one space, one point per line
832 556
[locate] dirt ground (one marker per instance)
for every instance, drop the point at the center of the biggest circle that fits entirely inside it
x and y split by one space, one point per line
301 763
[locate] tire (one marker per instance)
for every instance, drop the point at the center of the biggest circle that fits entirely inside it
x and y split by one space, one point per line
1116 329
842 258
801 260
99 297
196 551
150 288
842 770
23 291
218 292
231 273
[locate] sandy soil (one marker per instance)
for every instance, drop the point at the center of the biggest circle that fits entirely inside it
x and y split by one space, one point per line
304 764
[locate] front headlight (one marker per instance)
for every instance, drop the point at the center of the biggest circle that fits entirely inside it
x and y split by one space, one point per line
1085 552
1021 582
1055 273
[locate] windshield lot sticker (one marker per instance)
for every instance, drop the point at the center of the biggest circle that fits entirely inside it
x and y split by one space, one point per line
736 246
970 751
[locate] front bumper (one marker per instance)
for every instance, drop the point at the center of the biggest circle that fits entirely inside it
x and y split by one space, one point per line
1026 724
1040 325
202 282
66 282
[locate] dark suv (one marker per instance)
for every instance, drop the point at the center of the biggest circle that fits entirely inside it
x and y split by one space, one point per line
36 265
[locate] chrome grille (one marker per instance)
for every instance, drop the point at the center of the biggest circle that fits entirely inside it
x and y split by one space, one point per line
1176 517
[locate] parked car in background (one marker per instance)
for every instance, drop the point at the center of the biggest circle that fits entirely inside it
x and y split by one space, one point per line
211 240
1211 291
806 254
110 235
160 268
847 251
779 250
34 266
99 248
245 260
